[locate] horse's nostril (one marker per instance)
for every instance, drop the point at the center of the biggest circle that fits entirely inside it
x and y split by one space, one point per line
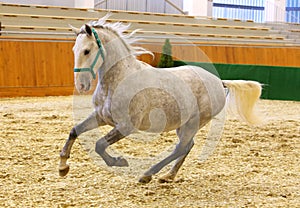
81 86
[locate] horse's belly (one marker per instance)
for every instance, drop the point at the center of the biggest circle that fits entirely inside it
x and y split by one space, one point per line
155 110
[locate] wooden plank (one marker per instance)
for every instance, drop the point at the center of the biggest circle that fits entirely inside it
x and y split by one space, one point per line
139 21
36 91
20 38
270 56
294 30
35 27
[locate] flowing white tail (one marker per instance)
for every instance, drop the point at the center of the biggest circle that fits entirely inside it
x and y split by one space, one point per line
242 98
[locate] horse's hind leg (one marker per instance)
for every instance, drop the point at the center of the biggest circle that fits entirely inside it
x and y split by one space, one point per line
172 173
92 122
185 134
113 136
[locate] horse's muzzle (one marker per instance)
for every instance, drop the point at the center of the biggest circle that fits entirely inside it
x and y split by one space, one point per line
81 88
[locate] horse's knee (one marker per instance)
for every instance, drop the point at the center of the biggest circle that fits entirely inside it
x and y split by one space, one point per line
183 149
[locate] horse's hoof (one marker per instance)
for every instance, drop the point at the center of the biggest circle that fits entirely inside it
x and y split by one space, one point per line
64 171
145 179
166 179
121 162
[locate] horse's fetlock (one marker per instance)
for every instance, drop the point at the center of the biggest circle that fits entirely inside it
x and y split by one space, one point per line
64 155
100 146
73 134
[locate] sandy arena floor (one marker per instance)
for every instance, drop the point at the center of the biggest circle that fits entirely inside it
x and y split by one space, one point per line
251 166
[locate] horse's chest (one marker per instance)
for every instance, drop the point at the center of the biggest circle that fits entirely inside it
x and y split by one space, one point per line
103 107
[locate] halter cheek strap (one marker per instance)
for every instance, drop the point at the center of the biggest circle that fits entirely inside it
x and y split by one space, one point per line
100 52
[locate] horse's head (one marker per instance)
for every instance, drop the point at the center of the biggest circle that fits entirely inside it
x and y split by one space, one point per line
89 56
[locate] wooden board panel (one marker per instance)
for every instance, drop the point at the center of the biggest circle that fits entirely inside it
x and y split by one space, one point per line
271 56
36 91
29 67
36 63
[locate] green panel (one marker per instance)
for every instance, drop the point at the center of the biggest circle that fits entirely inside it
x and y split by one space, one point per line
282 83
246 72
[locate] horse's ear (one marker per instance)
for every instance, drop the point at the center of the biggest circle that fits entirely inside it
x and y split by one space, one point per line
75 30
88 30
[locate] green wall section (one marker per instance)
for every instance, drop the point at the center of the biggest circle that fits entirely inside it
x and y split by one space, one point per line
280 83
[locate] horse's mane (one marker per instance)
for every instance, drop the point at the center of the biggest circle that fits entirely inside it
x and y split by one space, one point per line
119 29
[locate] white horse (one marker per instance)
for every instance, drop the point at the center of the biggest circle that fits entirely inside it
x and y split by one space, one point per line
132 95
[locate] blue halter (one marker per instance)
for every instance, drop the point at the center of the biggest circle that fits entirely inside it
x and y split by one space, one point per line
100 52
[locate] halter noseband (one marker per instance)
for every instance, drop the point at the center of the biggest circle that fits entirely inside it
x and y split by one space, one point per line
100 52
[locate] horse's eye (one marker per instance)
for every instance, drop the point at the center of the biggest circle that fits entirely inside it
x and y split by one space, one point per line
86 52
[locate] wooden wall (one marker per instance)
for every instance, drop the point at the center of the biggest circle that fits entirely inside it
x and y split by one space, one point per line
252 55
30 68
44 67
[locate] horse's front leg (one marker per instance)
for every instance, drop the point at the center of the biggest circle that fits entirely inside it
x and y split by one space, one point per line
113 136
92 122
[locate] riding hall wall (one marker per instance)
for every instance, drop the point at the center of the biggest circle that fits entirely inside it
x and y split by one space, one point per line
41 67
35 68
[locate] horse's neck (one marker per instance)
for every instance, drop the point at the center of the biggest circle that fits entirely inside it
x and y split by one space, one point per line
119 63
